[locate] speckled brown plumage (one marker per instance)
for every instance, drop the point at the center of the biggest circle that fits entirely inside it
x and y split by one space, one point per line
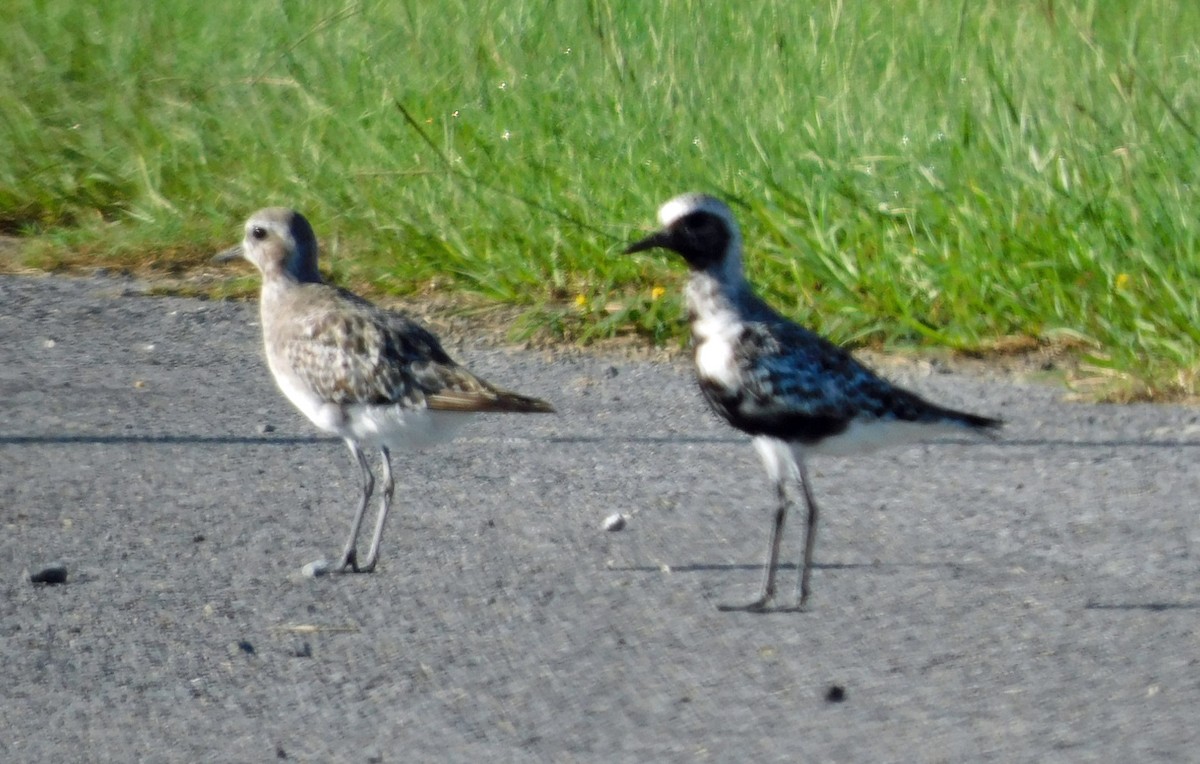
348 351
374 377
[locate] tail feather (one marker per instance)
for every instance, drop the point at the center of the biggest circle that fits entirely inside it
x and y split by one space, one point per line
909 406
492 400
983 424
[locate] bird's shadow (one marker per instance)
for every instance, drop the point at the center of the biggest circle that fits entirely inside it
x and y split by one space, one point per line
1150 607
217 440
991 442
704 567
16 439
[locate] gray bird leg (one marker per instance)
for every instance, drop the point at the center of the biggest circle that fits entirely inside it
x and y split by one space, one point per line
765 599
385 506
810 536
349 558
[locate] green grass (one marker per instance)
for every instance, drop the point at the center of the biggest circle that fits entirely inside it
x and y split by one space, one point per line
953 174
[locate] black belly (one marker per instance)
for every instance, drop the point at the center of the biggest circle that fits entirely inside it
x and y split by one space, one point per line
791 426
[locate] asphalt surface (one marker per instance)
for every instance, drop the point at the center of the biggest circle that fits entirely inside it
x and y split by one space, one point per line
1030 599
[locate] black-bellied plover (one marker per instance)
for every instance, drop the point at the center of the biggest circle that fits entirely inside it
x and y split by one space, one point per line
376 378
794 392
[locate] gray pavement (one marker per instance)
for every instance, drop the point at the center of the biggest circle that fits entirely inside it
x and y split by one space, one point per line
1031 599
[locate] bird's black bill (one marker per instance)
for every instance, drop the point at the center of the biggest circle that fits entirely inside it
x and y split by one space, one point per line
660 239
233 253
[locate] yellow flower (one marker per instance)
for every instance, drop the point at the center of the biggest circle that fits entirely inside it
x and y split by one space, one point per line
1121 281
581 300
657 292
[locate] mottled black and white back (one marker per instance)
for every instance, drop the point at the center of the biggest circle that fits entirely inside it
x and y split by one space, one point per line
791 389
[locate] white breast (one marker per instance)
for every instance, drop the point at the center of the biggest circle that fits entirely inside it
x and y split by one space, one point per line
716 328
715 362
323 414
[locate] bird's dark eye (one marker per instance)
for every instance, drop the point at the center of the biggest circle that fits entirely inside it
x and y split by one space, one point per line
258 233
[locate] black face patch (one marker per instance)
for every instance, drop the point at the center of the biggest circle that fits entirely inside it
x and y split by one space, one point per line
701 238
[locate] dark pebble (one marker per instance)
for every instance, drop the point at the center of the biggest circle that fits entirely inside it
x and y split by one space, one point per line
51 574
835 694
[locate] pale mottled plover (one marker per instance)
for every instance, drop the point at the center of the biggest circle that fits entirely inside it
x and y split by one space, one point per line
376 378
791 390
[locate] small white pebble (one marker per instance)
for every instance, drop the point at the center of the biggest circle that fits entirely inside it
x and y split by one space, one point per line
316 568
614 522
48 343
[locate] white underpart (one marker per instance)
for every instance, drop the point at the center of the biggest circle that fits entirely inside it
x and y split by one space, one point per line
778 457
714 350
372 426
399 427
715 331
864 436
323 414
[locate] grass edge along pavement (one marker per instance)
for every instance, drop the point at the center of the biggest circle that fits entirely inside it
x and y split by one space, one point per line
928 174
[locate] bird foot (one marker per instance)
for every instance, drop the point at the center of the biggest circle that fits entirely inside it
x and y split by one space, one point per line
762 605
347 564
349 561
